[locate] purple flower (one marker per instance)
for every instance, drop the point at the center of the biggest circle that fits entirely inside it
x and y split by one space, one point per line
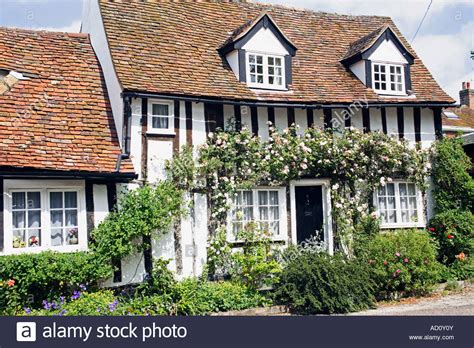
83 287
46 305
62 299
113 305
98 310
62 312
54 305
27 310
75 295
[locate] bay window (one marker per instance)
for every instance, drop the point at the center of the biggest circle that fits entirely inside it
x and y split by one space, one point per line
266 71
265 207
399 204
388 78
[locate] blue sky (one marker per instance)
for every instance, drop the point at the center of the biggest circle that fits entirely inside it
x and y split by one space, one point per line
443 42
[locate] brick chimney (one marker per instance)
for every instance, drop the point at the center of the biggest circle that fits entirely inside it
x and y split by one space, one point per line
466 95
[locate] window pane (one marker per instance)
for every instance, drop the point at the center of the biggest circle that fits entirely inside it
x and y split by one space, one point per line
390 190
57 218
412 203
34 219
253 78
19 219
399 70
271 60
382 68
274 213
56 237
403 203
273 197
392 216
411 189
262 197
18 200
259 69
376 67
19 238
275 228
160 122
247 198
377 85
391 203
403 189
278 71
404 216
72 236
263 213
252 68
278 61
392 69
71 218
382 204
34 200
279 81
160 110
70 199
271 70
259 59
34 238
251 58
248 214
56 200
271 80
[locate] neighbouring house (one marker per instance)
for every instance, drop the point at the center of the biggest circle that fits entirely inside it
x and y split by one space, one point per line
60 159
177 71
460 120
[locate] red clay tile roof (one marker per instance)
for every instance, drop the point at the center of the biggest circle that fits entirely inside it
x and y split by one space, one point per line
465 114
171 48
60 118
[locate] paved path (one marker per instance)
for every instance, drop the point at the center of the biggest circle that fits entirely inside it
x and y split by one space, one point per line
455 304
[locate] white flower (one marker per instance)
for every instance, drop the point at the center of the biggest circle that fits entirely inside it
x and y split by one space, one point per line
335 186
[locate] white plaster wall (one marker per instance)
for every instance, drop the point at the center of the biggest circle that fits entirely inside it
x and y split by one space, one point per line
301 120
200 232
163 247
427 127
93 25
228 114
338 122
265 42
187 241
358 68
376 119
101 203
182 124
233 60
318 116
199 125
158 153
281 118
388 52
409 126
356 120
392 123
246 117
136 137
263 123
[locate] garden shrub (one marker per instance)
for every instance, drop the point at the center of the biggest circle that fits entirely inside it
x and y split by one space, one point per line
254 263
195 297
403 263
454 187
316 282
454 231
47 275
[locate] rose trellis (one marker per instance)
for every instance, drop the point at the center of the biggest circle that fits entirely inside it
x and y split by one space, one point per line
357 163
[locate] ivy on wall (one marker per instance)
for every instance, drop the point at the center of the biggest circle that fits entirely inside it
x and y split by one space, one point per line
357 163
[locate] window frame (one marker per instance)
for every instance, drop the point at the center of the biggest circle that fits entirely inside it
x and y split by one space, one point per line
150 128
387 66
265 84
45 230
398 211
282 221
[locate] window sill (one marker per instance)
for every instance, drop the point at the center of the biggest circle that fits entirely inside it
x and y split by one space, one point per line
401 226
267 89
165 133
277 239
36 250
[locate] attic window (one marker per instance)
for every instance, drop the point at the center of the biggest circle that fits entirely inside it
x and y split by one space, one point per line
388 78
266 71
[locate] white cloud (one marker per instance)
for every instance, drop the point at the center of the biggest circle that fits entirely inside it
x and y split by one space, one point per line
447 57
74 27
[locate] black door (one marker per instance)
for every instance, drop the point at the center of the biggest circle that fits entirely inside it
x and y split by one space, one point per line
309 212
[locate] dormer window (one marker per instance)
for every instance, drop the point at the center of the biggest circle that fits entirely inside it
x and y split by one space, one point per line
265 71
160 117
388 78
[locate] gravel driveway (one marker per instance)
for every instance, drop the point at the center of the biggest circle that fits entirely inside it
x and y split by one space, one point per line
454 304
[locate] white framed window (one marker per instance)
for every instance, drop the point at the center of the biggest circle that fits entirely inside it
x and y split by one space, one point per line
264 206
44 217
266 71
399 204
160 117
388 78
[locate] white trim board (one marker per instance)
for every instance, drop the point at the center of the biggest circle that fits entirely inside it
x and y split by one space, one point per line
327 209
